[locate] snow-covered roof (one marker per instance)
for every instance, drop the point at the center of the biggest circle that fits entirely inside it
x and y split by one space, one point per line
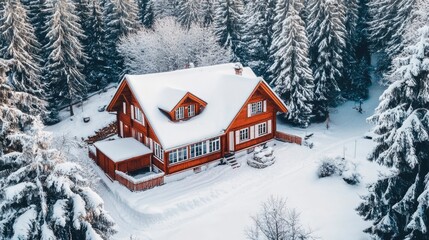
223 91
174 96
122 149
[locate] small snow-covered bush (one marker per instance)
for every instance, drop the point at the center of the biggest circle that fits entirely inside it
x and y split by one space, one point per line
329 167
351 177
340 167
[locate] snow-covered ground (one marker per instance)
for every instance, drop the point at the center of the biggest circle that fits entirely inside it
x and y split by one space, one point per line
218 203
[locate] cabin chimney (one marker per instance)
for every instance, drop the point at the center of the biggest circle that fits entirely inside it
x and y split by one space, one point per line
238 69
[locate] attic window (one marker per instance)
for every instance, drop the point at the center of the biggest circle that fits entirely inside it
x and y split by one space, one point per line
180 113
256 107
191 110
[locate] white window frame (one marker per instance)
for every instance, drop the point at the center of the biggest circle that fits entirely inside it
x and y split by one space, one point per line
178 155
138 115
124 107
197 149
214 145
158 151
180 113
256 108
244 133
191 110
260 127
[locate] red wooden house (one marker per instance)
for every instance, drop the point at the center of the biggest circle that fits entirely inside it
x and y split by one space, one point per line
180 121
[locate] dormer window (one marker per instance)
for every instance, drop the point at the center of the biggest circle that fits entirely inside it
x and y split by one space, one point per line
191 110
179 104
180 113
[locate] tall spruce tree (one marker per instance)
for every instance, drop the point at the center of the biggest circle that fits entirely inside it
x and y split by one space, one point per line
121 18
207 12
19 42
189 13
146 13
387 23
292 75
228 23
37 15
64 66
257 36
327 35
96 70
42 196
398 203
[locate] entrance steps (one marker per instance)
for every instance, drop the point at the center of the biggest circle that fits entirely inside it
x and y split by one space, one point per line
231 161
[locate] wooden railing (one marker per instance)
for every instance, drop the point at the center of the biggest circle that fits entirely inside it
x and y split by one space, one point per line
284 137
140 186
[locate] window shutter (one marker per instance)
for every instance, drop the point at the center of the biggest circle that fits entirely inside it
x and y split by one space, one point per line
252 132
256 130
207 146
249 110
231 141
146 141
269 126
151 144
265 106
142 119
124 107
237 137
132 111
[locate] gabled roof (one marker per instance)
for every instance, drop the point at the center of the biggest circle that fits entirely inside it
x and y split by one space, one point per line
224 92
174 97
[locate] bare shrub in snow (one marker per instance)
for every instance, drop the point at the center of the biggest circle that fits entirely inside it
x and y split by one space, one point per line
277 221
170 47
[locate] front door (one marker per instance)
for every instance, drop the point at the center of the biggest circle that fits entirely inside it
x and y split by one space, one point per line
231 141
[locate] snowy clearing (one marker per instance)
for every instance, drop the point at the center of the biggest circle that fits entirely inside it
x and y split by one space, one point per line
218 203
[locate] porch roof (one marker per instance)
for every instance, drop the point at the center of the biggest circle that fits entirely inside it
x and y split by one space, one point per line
122 149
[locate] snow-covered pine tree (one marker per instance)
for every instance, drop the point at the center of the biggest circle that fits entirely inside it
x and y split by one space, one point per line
64 66
189 12
292 75
398 203
19 42
96 71
228 25
37 16
207 12
327 36
146 13
121 18
42 196
45 197
257 36
387 23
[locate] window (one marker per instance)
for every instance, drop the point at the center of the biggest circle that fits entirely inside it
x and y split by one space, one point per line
124 107
244 134
256 108
262 129
180 113
178 155
214 145
191 110
159 153
138 115
198 149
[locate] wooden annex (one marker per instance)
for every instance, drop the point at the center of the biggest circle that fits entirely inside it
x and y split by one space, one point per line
189 118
